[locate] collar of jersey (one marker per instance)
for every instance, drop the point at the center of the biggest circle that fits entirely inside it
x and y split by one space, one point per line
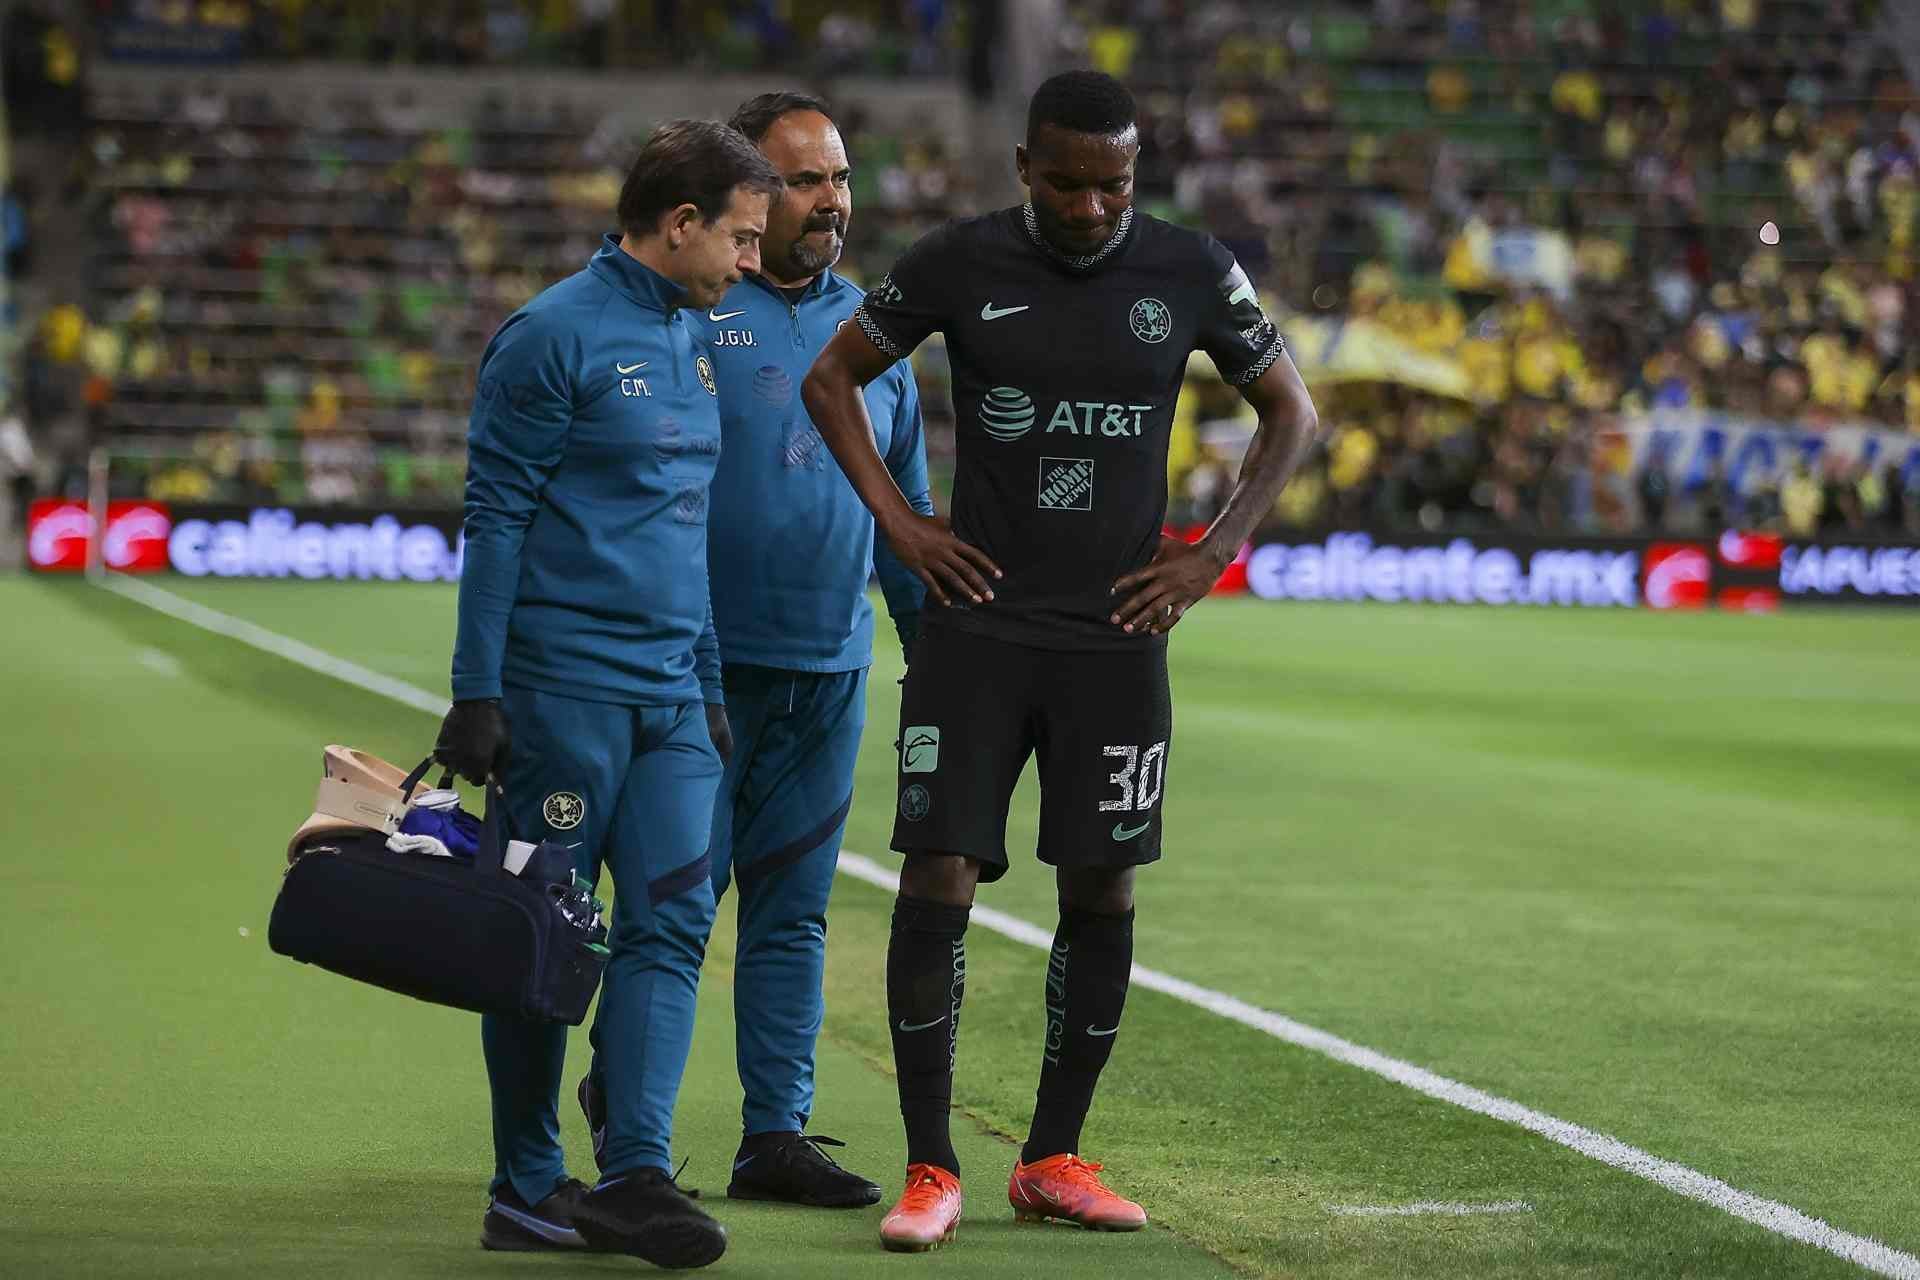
822 285
1082 262
634 278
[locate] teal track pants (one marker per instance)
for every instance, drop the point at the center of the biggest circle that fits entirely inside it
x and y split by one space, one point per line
777 825
632 790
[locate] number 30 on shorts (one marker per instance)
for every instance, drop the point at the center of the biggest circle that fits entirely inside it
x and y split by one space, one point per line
1141 773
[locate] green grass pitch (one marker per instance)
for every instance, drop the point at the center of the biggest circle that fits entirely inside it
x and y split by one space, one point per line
1655 875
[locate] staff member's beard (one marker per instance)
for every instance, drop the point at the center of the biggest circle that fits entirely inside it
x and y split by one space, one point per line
810 259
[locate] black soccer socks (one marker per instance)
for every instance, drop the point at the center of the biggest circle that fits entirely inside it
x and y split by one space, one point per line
1087 973
926 975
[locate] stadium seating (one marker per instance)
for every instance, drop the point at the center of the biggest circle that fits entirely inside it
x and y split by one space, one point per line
332 279
869 36
1522 222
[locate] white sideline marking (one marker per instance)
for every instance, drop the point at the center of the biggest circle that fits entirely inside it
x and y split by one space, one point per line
161 663
1775 1217
274 643
1419 1208
1781 1219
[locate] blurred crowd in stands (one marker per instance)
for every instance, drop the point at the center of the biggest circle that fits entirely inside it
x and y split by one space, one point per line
1498 233
868 37
1584 212
302 302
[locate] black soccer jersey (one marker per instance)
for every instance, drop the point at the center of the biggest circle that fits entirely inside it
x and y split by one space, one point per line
1065 373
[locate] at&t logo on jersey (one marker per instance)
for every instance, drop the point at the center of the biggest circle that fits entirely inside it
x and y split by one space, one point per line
1007 413
1090 417
774 385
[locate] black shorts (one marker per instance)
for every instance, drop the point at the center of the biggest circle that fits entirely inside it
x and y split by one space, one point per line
974 708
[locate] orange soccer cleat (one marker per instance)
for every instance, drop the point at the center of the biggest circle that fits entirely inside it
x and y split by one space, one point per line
928 1213
1069 1188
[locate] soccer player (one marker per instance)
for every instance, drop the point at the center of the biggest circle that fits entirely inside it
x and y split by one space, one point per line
583 611
788 555
1069 321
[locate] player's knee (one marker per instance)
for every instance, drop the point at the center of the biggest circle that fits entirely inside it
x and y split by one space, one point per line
940 877
1106 890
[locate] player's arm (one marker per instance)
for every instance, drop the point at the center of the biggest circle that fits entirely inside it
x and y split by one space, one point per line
907 464
1250 355
522 412
1287 428
1181 574
893 320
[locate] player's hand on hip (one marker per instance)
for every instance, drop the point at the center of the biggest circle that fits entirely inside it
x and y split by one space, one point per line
928 547
1157 597
474 740
720 731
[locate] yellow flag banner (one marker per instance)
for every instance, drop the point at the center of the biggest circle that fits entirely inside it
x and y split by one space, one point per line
1334 349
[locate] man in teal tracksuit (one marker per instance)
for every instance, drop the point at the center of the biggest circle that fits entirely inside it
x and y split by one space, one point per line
583 608
789 555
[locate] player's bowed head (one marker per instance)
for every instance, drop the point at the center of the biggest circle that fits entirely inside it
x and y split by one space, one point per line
1083 139
694 206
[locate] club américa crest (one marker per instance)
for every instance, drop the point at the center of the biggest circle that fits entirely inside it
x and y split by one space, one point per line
1151 320
563 810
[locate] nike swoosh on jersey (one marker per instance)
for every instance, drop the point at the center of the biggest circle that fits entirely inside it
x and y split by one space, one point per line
1122 833
1093 1031
991 312
923 1025
717 316
629 368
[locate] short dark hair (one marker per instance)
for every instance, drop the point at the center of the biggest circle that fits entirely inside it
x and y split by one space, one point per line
757 114
696 162
1083 101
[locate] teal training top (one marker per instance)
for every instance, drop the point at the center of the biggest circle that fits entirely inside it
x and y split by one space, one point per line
791 545
595 430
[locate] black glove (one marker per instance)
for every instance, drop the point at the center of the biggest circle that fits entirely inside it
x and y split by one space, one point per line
474 741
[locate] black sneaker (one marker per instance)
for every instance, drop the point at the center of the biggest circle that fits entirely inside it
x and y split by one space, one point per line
792 1167
593 1105
514 1225
646 1214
